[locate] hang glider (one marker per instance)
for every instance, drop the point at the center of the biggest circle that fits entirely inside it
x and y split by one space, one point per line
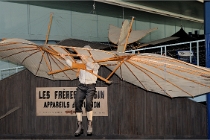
152 72
125 35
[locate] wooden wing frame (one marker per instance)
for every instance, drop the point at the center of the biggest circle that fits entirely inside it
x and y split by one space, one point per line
97 56
148 71
133 68
39 59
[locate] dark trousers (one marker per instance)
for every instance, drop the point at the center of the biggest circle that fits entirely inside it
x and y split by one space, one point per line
85 91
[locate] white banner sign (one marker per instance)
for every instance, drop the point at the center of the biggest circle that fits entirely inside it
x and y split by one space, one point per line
185 53
59 101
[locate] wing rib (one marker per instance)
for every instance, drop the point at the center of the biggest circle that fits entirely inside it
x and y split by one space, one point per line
135 75
60 67
163 79
149 77
149 64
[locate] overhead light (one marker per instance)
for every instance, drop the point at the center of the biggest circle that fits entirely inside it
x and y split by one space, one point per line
200 1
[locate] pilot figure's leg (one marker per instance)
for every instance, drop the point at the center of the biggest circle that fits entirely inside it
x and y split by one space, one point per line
79 98
89 107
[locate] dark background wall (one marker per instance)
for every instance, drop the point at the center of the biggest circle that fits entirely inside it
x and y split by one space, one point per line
132 112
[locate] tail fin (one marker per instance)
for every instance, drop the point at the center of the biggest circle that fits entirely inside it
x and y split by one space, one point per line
124 35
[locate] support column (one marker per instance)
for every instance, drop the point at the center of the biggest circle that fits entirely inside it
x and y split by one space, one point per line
207 43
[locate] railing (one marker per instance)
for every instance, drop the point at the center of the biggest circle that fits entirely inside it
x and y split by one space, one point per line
9 71
164 47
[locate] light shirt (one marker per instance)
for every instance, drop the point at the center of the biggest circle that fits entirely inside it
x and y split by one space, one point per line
84 76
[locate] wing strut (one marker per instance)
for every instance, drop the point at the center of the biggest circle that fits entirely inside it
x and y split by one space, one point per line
68 68
49 26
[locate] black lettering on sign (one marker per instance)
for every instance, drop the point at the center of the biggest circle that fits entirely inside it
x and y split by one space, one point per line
40 95
48 94
45 105
64 94
99 95
57 104
44 94
96 104
71 94
60 95
73 105
56 94
67 95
